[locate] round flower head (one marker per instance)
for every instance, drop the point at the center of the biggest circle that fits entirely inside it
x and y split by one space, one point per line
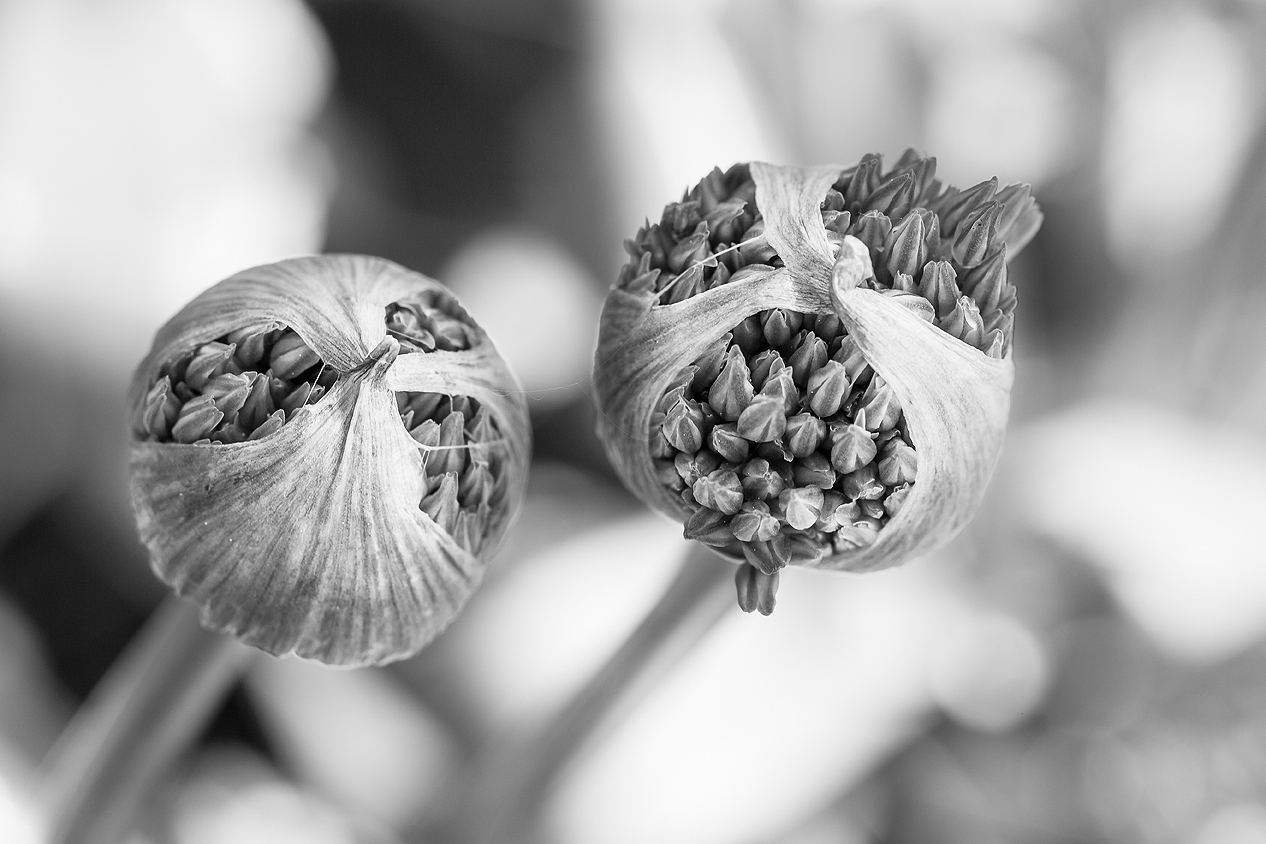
811 365
325 453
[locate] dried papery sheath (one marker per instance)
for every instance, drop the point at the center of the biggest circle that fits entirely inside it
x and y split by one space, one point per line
849 331
326 452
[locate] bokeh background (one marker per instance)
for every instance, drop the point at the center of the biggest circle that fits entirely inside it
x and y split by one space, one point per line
1086 664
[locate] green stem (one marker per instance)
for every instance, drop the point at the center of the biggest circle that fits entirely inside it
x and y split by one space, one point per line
152 703
512 783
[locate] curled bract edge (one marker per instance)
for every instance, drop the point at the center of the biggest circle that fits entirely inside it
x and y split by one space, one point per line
310 540
955 397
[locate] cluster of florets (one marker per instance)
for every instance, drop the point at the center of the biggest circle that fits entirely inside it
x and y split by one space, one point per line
462 450
781 440
242 386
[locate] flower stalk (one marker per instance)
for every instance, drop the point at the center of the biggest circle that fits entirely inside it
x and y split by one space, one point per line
150 706
509 785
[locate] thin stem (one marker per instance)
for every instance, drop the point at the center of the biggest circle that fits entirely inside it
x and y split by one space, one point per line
150 706
513 782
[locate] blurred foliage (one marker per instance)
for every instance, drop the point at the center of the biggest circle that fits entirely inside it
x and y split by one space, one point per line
447 120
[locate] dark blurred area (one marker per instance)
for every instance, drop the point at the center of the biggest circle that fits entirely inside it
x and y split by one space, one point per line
1084 665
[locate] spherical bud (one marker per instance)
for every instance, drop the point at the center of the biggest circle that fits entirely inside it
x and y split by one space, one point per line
886 346
325 454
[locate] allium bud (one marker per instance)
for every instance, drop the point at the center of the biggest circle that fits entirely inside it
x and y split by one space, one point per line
325 454
851 283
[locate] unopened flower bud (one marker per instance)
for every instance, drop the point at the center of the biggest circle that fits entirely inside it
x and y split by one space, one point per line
721 490
760 480
852 446
814 470
873 229
683 426
938 287
208 361
846 285
709 527
864 180
907 246
895 499
198 419
1020 218
769 557
827 388
300 495
781 387
850 355
802 506
162 409
763 421
290 356
977 234
964 322
894 197
754 523
956 205
692 467
881 406
765 364
912 302
985 282
808 358
862 483
899 465
777 327
728 443
805 432
732 392
756 590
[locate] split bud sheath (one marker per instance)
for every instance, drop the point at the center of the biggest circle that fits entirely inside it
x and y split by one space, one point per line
325 453
812 365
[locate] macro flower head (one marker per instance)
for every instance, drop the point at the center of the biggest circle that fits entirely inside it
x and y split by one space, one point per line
812 366
326 452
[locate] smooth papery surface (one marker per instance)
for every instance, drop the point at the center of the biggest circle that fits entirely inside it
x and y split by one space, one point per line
948 369
328 537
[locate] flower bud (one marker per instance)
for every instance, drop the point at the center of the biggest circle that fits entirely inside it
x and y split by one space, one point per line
731 393
852 446
763 421
898 363
326 452
899 465
828 387
756 590
907 248
760 480
728 443
753 523
801 506
683 426
804 434
720 490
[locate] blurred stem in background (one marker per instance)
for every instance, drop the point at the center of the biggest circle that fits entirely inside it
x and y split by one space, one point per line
151 705
509 784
